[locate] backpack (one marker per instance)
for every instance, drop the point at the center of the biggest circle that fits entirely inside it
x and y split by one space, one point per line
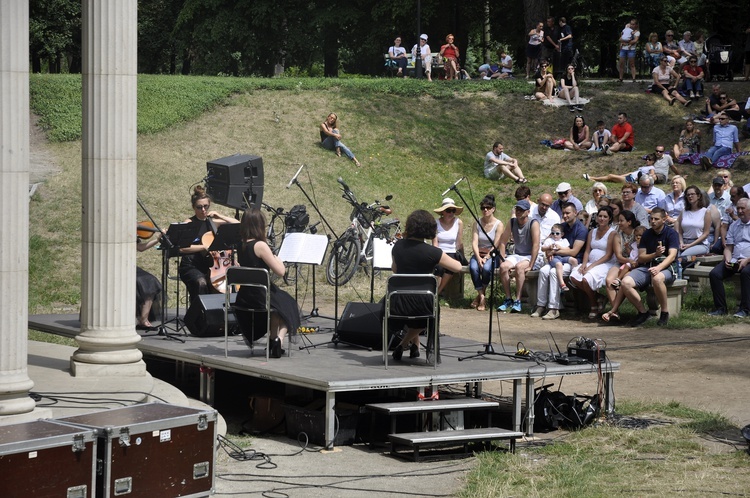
554 409
297 219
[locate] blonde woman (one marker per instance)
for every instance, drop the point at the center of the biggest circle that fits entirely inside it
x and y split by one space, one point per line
448 237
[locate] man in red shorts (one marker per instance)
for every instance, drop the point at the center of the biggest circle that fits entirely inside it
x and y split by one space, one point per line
622 137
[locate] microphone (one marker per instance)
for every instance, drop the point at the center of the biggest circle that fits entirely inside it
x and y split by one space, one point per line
294 178
453 187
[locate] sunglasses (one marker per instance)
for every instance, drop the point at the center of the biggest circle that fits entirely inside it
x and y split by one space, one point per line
555 233
485 208
450 210
659 151
202 206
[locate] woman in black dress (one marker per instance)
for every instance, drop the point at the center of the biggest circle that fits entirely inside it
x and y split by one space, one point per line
196 263
255 253
147 291
411 255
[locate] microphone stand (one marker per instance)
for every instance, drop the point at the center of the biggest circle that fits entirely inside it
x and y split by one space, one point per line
494 254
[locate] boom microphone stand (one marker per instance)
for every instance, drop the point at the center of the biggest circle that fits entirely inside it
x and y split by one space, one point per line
494 254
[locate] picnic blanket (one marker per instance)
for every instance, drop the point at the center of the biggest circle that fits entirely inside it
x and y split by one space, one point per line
725 162
560 102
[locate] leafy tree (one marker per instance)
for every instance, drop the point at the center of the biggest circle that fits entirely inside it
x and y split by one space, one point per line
55 35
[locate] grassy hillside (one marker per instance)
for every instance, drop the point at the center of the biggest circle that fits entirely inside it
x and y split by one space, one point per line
414 140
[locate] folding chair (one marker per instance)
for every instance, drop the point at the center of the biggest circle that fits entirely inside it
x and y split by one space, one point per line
414 285
252 277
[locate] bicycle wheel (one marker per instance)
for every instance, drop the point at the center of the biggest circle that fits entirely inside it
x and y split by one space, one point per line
347 248
275 233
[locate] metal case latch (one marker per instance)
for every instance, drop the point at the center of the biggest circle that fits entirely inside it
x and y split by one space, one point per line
124 437
78 443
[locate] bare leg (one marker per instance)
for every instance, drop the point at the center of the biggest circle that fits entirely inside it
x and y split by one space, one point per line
559 271
609 178
631 61
520 277
444 282
145 310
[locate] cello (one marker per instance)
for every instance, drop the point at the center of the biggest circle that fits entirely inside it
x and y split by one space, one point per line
222 261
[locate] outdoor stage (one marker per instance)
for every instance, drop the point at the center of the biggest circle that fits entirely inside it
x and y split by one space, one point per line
340 368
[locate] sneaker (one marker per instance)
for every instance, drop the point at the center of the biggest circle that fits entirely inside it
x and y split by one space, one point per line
507 303
579 107
516 308
699 95
741 314
551 315
538 312
640 319
718 312
414 351
586 177
572 108
605 149
687 103
692 94
663 319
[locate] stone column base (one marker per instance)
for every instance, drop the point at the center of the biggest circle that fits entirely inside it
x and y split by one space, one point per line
81 369
31 416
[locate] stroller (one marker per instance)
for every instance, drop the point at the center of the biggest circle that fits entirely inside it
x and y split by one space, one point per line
719 60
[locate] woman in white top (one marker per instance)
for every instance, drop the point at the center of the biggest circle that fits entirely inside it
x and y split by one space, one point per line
534 48
449 235
663 76
398 55
598 258
598 190
693 225
480 266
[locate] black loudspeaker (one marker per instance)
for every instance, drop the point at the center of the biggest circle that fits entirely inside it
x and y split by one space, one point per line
236 181
361 324
205 317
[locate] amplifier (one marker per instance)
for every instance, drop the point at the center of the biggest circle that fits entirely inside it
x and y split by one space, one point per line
594 355
153 449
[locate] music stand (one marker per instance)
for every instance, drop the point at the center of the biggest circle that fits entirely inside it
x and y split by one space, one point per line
381 260
304 248
178 235
227 237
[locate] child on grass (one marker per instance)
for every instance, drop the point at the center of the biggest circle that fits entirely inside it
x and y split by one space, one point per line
601 137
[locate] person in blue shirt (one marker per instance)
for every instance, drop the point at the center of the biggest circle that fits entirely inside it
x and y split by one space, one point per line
726 140
565 194
656 253
648 196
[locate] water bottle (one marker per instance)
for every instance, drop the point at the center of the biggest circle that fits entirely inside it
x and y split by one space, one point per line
679 269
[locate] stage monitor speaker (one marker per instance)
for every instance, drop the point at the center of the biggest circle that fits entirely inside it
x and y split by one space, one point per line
205 317
234 196
361 324
238 169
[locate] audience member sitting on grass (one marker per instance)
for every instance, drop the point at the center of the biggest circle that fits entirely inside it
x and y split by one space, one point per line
693 225
625 250
632 177
569 89
648 196
524 232
653 51
693 75
545 82
598 258
663 165
720 103
598 191
600 138
689 141
554 242
622 138
673 203
579 137
656 253
736 260
497 164
726 140
330 138
666 82
564 195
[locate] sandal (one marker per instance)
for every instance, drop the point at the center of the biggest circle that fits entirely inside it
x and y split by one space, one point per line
616 284
564 288
593 314
610 315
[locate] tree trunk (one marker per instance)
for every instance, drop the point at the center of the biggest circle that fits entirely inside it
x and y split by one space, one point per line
331 52
534 11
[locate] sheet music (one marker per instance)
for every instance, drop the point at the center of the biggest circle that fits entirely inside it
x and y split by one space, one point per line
303 248
381 254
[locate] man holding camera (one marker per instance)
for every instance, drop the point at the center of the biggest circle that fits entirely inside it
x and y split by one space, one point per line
736 259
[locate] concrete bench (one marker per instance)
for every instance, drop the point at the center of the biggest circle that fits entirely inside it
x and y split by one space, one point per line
699 275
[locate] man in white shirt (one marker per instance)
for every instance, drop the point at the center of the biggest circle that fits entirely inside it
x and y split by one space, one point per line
544 215
425 54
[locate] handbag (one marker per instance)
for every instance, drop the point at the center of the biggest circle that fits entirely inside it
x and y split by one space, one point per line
462 259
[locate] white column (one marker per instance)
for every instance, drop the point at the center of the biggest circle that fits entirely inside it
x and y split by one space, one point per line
14 204
107 342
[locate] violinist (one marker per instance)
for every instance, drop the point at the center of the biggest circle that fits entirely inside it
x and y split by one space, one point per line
196 262
147 287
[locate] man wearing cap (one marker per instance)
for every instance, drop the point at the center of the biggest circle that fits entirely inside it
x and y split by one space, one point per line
544 215
525 234
663 165
498 164
736 259
649 196
425 55
565 194
622 137
726 140
548 288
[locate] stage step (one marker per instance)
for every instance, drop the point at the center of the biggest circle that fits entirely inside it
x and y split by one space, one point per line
459 404
420 440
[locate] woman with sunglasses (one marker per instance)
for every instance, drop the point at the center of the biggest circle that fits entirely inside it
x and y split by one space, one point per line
689 141
449 238
545 82
196 263
666 82
481 264
693 75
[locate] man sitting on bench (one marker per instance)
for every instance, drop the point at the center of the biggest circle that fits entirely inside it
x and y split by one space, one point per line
736 260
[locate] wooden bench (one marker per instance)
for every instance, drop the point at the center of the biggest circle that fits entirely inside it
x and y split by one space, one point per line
438 438
437 64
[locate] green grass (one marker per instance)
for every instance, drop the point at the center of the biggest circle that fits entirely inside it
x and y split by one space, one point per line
672 455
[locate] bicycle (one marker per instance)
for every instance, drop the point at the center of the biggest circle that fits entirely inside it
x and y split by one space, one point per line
354 247
281 223
583 70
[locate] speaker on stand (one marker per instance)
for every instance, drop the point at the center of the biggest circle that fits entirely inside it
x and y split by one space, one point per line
236 181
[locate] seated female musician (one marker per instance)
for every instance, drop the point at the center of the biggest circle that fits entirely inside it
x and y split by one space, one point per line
255 253
196 263
147 287
411 255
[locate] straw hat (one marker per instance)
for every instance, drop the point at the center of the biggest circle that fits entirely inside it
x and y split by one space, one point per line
449 203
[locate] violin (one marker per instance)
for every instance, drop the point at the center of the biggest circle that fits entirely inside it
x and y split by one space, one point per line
145 229
222 261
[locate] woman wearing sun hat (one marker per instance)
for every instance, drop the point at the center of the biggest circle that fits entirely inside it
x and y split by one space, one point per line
449 238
